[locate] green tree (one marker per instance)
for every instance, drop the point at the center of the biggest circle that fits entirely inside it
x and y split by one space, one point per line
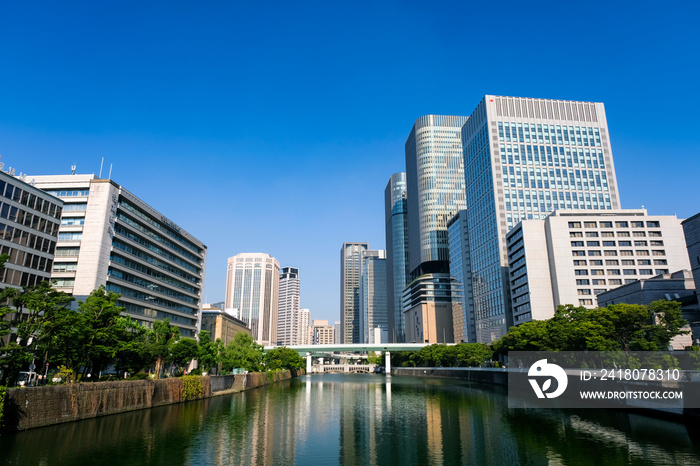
242 352
160 341
209 352
183 351
283 358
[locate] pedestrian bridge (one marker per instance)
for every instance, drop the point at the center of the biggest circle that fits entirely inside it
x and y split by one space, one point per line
311 351
359 368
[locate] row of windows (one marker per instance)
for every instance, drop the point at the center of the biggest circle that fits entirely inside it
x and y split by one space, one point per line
549 134
578 244
151 286
34 221
623 252
156 237
551 156
70 193
32 201
611 234
619 272
20 278
27 239
153 261
623 262
618 224
152 273
154 300
152 247
27 259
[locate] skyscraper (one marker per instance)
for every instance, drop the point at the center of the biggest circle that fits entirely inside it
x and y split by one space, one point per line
252 287
350 272
373 300
524 158
435 193
396 216
110 237
288 313
304 335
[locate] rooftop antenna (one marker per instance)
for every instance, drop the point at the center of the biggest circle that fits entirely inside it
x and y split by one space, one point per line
72 168
103 161
110 172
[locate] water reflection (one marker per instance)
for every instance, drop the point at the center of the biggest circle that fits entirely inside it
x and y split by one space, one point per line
358 419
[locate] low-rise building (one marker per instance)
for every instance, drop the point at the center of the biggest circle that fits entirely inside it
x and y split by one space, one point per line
222 324
322 333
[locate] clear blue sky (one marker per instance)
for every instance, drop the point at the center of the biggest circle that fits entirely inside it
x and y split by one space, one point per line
274 126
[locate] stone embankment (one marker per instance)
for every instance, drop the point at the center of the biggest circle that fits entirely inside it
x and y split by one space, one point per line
26 408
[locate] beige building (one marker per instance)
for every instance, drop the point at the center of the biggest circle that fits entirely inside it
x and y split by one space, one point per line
222 324
322 333
110 237
570 257
252 287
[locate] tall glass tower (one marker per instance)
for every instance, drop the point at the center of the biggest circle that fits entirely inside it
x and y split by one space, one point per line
288 307
524 158
350 274
435 188
396 215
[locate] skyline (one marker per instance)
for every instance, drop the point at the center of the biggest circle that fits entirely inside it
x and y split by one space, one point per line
276 129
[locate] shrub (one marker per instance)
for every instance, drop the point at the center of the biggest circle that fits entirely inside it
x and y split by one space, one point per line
192 387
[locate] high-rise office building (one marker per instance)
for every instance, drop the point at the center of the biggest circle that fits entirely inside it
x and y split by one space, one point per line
110 237
460 269
304 336
350 273
252 287
29 226
396 217
435 193
373 296
524 158
288 313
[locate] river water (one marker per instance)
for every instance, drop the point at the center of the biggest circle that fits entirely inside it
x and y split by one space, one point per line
329 419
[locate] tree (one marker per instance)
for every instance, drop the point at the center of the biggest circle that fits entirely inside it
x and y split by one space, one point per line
283 358
209 352
242 352
183 351
160 341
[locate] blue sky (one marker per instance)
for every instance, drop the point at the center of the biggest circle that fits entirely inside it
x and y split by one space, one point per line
274 127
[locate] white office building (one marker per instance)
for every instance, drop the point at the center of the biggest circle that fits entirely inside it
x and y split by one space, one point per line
288 307
110 237
570 257
252 287
373 293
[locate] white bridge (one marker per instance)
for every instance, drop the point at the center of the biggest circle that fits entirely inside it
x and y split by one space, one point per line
311 351
360 368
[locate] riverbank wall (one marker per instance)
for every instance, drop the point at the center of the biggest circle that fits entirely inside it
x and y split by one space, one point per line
499 376
27 408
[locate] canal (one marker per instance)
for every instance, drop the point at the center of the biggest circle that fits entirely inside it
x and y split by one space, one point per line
360 419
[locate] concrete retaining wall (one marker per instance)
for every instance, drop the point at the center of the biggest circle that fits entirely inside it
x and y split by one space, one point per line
26 408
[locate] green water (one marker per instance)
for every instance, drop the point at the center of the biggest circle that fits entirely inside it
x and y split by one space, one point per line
357 419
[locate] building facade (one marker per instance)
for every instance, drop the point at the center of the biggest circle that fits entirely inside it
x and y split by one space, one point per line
110 237
322 333
373 293
252 287
571 257
396 217
524 158
288 310
435 193
222 324
691 230
30 220
304 326
460 269
350 274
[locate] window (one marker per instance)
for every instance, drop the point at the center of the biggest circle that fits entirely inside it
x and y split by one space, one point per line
660 262
609 243
612 262
644 271
574 224
621 224
639 234
627 261
655 234
653 224
606 225
642 253
580 263
593 243
581 272
591 234
611 253
615 281
623 234
625 243
585 302
657 252
640 243
613 271
597 272
583 292
607 234
582 281
637 224
643 262
599 281
626 253
656 243
70 236
596 262
576 244
661 271
594 253
629 272
598 291
576 234
578 253
590 224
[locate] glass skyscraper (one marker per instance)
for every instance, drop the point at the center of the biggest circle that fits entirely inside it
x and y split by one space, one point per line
435 193
396 215
288 307
350 273
524 158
